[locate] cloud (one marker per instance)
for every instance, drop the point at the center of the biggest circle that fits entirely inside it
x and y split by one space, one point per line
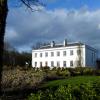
25 28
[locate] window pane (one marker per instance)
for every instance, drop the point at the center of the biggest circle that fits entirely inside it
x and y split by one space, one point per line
71 52
46 54
40 64
64 64
35 64
52 54
58 53
64 53
71 63
58 64
40 54
46 63
78 63
35 54
78 52
52 63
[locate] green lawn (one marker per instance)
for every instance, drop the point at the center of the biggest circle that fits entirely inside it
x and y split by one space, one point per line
72 81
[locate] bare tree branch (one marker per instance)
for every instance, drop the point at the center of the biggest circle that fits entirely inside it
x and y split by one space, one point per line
28 4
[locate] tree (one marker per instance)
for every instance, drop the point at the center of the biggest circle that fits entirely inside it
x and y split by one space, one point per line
39 45
9 54
3 16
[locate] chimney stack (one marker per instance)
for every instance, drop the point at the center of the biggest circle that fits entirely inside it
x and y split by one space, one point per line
52 44
65 42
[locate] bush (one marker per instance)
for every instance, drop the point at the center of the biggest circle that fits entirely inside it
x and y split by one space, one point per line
51 75
21 79
83 71
97 72
81 92
63 73
88 71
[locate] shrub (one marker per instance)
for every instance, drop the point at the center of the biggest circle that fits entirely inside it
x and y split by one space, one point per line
21 79
97 72
69 92
63 73
88 71
54 69
51 75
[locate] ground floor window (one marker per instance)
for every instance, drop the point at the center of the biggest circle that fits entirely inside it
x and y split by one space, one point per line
40 64
64 64
71 63
52 63
35 64
46 63
58 63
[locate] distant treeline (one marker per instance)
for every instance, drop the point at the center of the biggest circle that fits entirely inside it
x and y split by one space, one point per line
14 58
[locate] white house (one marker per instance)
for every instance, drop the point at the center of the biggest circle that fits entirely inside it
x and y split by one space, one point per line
64 55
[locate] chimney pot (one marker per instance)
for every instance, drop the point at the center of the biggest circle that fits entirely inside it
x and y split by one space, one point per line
65 42
52 44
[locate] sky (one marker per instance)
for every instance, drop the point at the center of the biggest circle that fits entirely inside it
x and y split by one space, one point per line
75 20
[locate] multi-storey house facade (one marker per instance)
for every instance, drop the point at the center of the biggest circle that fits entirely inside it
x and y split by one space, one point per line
64 55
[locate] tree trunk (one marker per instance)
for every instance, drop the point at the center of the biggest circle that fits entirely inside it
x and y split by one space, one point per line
3 16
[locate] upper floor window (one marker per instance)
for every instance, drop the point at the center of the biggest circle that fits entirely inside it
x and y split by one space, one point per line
58 53
93 57
46 54
64 53
71 52
71 63
40 54
35 54
52 54
64 64
78 52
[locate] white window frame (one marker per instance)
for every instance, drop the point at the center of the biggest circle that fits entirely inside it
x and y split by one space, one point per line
71 63
58 53
64 53
46 54
58 63
35 64
71 52
35 55
64 63
52 54
41 54
52 63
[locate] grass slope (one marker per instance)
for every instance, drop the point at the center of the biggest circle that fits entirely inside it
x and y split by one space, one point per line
72 81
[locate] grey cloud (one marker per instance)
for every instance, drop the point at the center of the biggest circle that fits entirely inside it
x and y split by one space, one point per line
25 28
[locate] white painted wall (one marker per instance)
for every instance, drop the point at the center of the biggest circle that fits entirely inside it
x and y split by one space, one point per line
91 56
61 58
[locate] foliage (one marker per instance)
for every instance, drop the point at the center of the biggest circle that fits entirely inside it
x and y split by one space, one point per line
14 58
20 79
88 71
82 91
72 80
63 72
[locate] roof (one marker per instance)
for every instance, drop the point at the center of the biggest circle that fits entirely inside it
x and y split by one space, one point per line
60 45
